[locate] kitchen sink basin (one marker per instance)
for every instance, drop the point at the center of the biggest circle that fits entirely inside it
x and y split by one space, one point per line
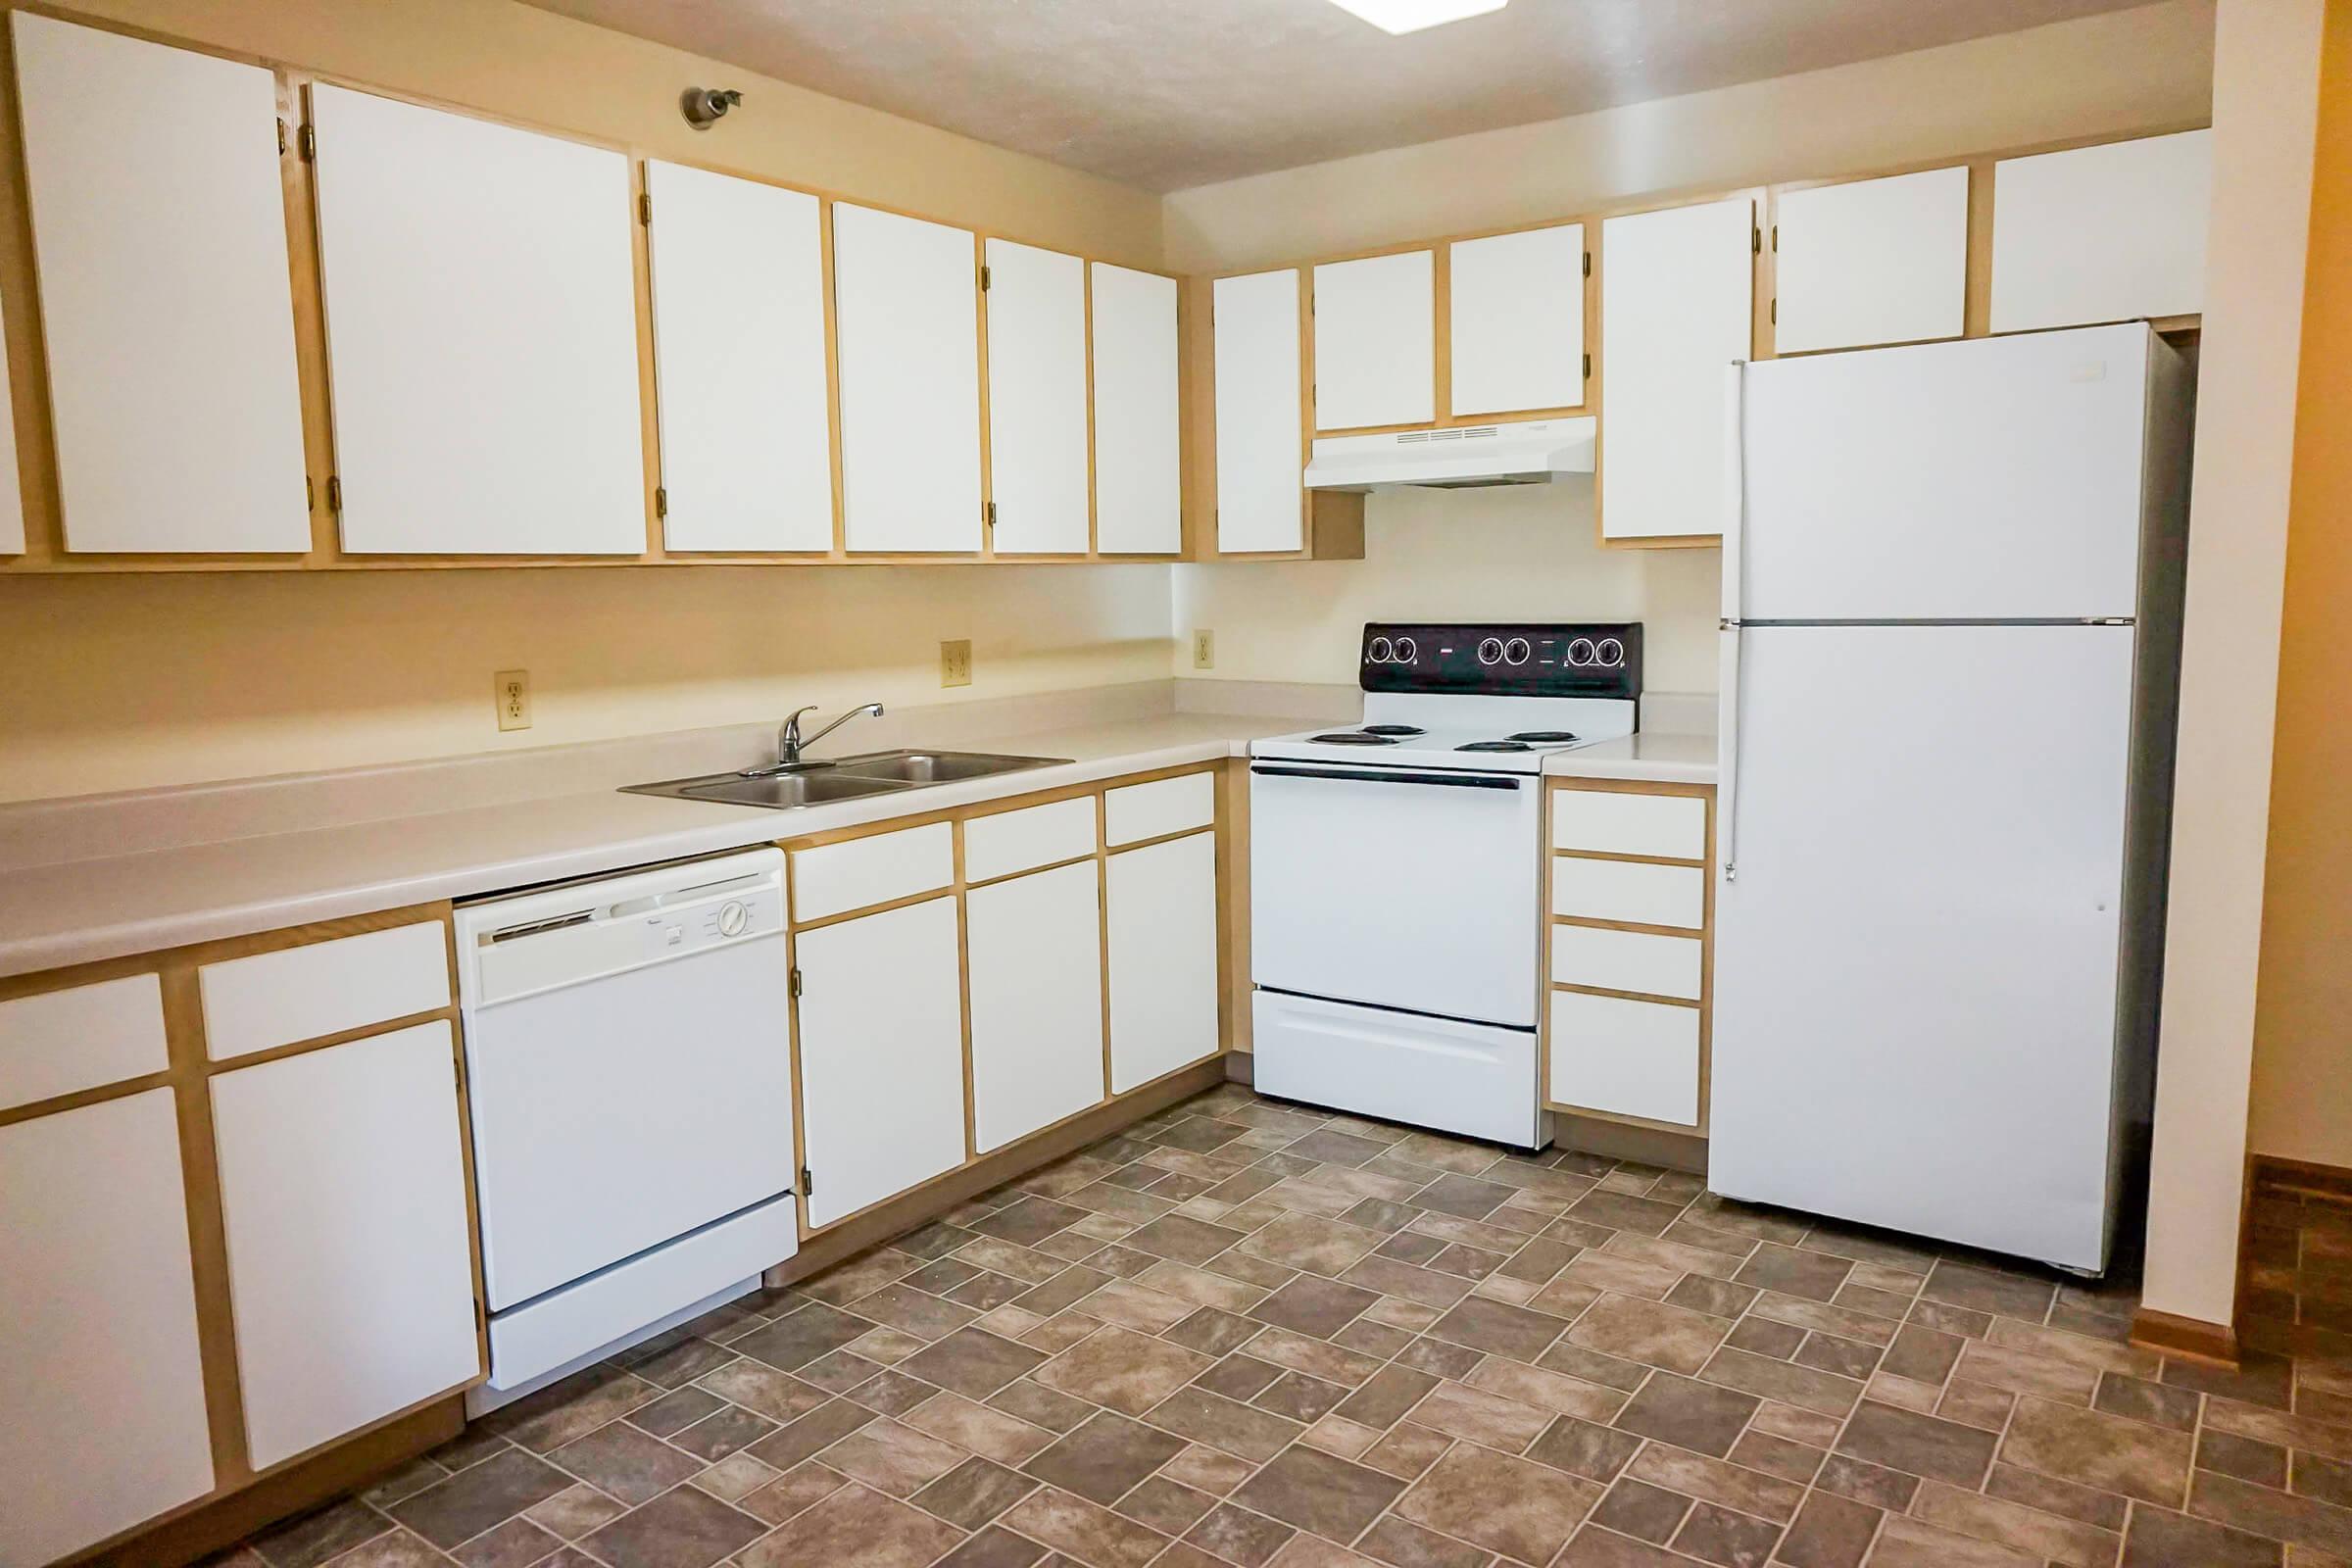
848 778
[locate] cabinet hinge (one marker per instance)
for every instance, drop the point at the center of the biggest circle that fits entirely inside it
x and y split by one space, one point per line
334 493
1776 240
1587 367
645 208
282 139
1755 241
1588 264
988 515
807 1183
986 278
310 495
795 980
661 502
306 139
1772 312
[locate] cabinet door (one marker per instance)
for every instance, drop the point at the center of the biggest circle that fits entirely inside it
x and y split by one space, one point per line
1517 317
1376 341
1677 288
159 233
907 336
100 1377
881 1049
1261 461
1138 474
1875 261
1164 958
1036 400
739 363
2107 233
1626 1058
481 326
1035 951
350 1251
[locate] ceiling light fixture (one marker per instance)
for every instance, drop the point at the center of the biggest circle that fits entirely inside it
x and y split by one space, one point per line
1411 15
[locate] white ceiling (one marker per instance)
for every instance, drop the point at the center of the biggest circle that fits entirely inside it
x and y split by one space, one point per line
1169 94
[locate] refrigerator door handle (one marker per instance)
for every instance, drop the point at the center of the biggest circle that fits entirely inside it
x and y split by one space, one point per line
1734 514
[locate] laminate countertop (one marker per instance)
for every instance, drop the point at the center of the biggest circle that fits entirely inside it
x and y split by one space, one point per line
82 909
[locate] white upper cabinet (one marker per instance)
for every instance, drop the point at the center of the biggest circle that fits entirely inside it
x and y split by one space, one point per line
1676 290
1875 261
102 1408
1138 471
350 1251
1517 319
739 363
481 333
1376 347
2108 234
159 236
1036 400
1261 460
907 333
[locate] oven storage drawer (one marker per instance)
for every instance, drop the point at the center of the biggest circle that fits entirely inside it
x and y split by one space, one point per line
1478 1080
1629 890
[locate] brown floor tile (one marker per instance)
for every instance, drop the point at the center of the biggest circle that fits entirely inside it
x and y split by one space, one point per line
2038 1535
481 1496
856 1528
1547 1390
681 1528
1918 1445
1829 1532
315 1537
1922 1354
1301 1398
800 1439
1639 1509
798 1338
1717 1481
1465 1196
1497 1327
1725 1538
1313 1243
1910 1543
1238 1536
1690 1415
1582 1448
1123 1369
2105 1452
1409 1281
1136 1306
2274 1515
1983 1289
1619 1213
802 1487
972 1363
2105 1509
674 1412
1089 1535
1404 1545
1187 1240
1309 1305
1165 1506
576 1511
1807 1388
972 1493
2121 1394
516 1544
894 1458
1817 1275
1318 1491
1105 1457
1649 1332
1222 1424
2161 1539
397 1548
1873 1484
994 1548
1524 1510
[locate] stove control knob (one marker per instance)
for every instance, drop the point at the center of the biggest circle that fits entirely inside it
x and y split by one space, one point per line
1515 651
732 918
1489 652
1406 648
1581 653
1380 650
1611 652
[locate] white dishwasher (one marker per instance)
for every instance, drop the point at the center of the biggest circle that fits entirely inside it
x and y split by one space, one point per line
631 1083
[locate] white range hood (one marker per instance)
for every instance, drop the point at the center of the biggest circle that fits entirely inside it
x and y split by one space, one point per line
1464 457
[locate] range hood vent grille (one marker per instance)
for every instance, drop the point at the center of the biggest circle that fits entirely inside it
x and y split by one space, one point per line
1468 457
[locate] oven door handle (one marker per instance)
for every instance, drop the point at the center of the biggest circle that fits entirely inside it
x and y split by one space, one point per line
1459 781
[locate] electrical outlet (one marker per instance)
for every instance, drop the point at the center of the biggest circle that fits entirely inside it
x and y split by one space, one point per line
1204 650
955 663
512 690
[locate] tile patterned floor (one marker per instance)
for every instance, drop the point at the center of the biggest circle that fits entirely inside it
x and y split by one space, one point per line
1247 1335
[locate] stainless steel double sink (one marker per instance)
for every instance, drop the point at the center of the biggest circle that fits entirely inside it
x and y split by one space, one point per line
848 778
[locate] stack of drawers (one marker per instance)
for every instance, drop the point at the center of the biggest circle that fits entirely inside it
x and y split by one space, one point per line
1631 939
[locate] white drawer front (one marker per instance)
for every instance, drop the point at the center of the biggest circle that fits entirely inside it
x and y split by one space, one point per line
1629 890
858 873
1631 1059
275 998
1165 805
1626 961
62 1042
1622 822
1033 836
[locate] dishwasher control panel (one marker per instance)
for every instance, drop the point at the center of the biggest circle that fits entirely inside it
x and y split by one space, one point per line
537 942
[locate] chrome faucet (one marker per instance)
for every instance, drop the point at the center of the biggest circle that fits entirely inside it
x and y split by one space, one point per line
790 743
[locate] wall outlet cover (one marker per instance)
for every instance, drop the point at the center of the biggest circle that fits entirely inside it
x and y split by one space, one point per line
1204 650
511 690
955 663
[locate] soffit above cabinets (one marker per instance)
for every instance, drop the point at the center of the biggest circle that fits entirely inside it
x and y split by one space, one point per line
1168 96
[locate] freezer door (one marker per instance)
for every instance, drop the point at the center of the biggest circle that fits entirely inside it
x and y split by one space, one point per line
1916 959
1997 479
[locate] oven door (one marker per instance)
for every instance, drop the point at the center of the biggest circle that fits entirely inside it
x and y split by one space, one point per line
1396 888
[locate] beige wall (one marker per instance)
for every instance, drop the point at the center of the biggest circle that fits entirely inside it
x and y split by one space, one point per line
2302 1047
123 682
1532 552
2266 93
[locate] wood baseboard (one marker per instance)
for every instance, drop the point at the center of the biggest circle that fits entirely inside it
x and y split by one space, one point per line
225 1521
929 1201
2192 1338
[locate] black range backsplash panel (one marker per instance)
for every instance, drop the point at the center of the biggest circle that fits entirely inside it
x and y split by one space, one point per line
1503 659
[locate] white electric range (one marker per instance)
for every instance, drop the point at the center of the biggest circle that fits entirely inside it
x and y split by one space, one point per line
1394 873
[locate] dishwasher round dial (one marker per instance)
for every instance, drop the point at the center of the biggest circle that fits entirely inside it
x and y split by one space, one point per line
732 918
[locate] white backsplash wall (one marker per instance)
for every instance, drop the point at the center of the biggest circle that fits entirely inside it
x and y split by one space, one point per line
1523 553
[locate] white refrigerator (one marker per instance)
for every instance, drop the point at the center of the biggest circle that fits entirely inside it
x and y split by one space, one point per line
1951 644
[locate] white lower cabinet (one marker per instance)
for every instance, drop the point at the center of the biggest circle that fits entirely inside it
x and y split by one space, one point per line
102 1412
1034 947
881 1049
350 1251
1163 902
